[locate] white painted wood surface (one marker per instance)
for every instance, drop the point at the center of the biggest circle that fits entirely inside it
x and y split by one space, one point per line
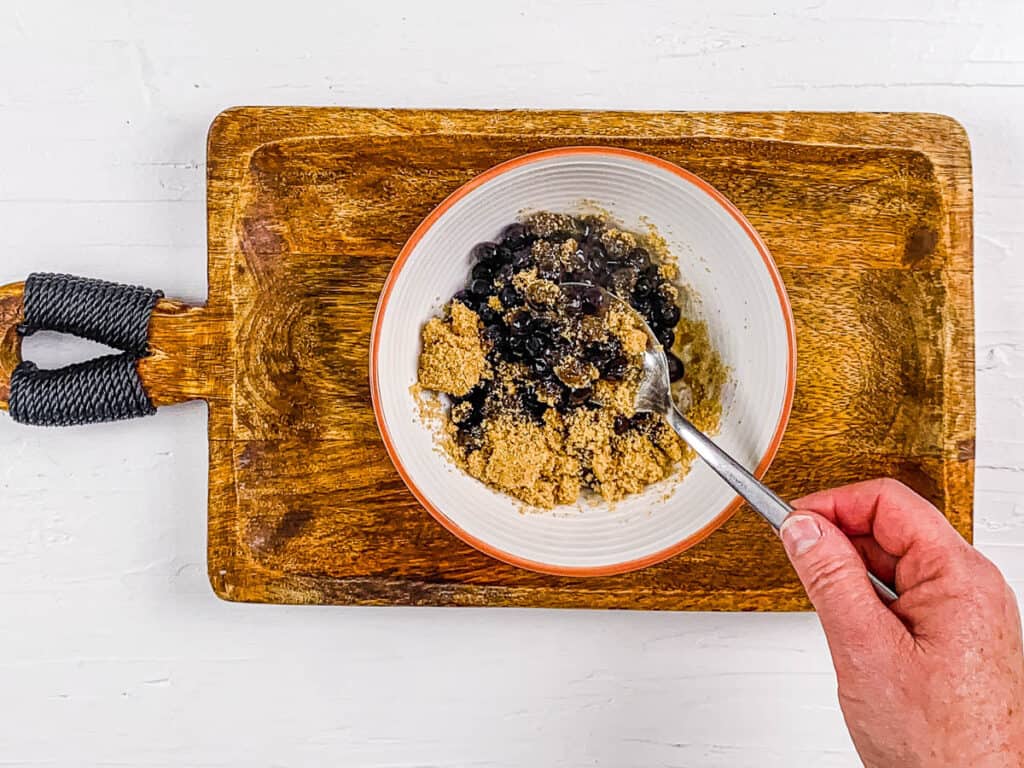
113 650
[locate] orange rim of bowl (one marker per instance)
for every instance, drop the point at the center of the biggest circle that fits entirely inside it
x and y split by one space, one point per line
410 246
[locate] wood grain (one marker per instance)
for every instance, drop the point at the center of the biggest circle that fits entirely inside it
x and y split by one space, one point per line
867 215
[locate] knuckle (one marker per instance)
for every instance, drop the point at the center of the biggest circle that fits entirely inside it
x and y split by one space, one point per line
891 485
934 561
954 559
827 576
888 488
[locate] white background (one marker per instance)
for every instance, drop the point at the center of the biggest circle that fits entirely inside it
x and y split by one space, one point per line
113 650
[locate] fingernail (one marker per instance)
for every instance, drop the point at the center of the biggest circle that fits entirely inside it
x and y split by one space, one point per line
799 533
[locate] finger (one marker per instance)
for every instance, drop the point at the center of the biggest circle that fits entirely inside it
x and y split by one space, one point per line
886 509
835 578
878 561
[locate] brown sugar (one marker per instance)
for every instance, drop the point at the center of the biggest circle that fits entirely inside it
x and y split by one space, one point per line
622 323
705 375
545 464
619 242
546 223
453 359
527 460
539 292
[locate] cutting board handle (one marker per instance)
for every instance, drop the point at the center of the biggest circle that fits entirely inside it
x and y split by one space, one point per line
172 358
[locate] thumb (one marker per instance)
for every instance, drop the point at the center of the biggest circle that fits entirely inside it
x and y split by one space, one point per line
836 580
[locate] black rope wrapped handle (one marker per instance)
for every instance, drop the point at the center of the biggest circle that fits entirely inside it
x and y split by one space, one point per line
105 389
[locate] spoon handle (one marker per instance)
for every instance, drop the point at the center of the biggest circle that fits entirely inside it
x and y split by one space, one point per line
761 498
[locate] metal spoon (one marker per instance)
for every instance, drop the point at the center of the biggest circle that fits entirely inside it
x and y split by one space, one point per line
655 396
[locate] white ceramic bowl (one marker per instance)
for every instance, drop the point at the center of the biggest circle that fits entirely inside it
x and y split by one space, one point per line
743 302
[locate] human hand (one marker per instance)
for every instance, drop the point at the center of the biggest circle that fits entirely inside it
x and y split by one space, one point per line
936 678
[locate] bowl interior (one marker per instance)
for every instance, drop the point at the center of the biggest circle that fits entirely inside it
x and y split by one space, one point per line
741 299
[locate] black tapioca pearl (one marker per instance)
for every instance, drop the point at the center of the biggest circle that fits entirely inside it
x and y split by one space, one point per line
572 301
676 370
657 301
639 258
479 393
504 274
533 406
483 251
594 301
519 323
493 334
488 315
643 287
578 397
641 304
542 325
612 265
644 423
465 297
509 296
541 368
483 270
517 347
514 236
622 281
668 314
616 368
534 345
666 337
595 256
600 353
522 259
475 417
558 348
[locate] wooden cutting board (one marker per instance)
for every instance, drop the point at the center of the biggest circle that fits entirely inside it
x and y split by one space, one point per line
867 215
